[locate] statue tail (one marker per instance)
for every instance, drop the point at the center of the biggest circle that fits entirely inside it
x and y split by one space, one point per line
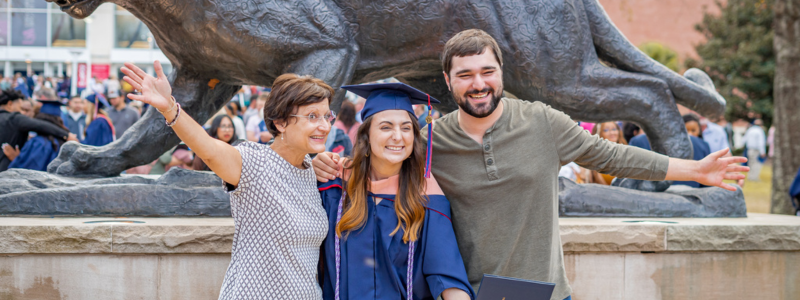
696 92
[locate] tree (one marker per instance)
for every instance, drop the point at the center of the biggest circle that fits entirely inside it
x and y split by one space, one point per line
738 56
662 54
787 103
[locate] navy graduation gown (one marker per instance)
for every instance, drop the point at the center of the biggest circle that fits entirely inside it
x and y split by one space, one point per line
794 190
36 154
374 262
98 133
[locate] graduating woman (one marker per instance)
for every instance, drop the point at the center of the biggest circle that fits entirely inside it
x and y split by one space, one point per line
100 130
390 235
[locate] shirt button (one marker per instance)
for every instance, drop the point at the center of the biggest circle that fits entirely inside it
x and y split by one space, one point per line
489 161
486 147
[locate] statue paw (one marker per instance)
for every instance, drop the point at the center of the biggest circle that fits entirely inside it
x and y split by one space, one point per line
643 185
78 160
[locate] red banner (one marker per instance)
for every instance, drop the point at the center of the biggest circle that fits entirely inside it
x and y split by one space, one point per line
82 75
100 71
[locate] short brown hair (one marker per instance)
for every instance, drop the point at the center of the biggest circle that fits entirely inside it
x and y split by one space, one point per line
469 42
290 91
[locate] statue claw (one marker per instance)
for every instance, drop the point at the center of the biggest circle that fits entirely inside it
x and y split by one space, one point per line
78 160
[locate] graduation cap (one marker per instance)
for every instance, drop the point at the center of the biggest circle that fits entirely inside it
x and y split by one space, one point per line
51 105
100 102
396 95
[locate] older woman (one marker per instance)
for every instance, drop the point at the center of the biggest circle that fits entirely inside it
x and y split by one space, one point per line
278 217
390 235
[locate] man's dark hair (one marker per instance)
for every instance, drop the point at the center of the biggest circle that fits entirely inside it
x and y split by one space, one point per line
10 95
253 98
469 42
629 130
290 91
691 117
347 114
235 105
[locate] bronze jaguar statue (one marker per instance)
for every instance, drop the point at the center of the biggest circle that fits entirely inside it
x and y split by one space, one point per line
565 53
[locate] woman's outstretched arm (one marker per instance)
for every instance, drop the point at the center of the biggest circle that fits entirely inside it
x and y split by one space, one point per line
220 157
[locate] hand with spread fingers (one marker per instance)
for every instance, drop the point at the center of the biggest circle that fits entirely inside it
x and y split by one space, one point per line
219 156
710 171
715 168
156 91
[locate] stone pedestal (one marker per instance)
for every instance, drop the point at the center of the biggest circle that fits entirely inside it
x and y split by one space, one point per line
185 258
745 258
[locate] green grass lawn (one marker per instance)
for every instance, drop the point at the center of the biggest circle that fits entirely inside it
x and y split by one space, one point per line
757 194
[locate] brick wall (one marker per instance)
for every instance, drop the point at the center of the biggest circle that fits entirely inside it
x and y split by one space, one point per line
669 22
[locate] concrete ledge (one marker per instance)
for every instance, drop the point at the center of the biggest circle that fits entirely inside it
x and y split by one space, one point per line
116 235
758 232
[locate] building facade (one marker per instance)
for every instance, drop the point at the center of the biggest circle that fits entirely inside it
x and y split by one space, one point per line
35 35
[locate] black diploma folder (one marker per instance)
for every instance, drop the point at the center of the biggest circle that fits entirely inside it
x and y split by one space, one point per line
495 287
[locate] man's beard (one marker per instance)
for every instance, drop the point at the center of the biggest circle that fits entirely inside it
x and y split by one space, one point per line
483 110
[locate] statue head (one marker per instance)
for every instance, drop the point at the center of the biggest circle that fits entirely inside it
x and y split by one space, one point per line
78 9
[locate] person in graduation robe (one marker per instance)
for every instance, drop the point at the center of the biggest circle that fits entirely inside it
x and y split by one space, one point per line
391 236
794 193
37 153
40 150
100 130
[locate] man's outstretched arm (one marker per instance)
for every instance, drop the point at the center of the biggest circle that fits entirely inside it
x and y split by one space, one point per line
590 151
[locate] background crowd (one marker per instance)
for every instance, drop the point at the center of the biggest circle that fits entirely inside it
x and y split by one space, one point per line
101 113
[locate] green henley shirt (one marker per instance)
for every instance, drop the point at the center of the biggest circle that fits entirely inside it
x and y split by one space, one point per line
504 192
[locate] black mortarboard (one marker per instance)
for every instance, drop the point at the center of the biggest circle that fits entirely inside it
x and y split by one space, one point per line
386 96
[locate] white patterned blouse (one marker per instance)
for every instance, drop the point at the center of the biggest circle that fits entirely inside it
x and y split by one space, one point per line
279 226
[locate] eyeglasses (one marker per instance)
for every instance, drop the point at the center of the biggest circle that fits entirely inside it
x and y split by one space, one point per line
226 126
315 118
607 130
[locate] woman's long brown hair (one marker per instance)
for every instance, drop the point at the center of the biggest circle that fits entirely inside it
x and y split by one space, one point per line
409 204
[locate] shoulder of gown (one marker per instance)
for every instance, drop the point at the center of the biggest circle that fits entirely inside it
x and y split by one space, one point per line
437 202
98 133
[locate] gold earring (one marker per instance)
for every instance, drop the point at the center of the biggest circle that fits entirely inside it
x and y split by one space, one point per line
367 155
